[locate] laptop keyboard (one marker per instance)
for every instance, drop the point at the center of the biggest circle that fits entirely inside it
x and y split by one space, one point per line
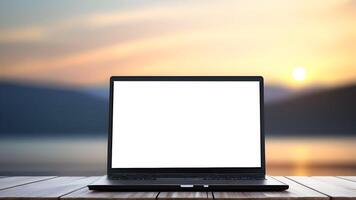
133 177
230 178
148 177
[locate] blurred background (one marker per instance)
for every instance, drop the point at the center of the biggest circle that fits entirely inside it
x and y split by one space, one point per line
56 58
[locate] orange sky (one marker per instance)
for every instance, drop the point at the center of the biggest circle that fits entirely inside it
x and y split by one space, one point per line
269 38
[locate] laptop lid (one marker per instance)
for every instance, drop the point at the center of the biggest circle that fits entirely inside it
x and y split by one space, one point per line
186 125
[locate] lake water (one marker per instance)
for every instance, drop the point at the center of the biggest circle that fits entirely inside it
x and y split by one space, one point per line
76 156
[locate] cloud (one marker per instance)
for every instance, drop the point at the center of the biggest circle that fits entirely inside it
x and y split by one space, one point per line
213 38
38 32
27 34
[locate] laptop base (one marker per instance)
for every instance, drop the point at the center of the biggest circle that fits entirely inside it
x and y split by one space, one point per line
187 184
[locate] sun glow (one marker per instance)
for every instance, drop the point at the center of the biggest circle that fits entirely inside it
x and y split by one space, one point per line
299 73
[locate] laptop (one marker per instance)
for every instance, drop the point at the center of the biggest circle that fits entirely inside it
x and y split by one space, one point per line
186 133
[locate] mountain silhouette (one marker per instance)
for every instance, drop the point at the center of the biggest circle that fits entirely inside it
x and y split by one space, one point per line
36 111
29 110
326 112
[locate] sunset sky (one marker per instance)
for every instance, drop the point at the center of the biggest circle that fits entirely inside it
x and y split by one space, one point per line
297 43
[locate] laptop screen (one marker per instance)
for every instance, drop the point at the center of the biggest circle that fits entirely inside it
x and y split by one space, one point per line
186 124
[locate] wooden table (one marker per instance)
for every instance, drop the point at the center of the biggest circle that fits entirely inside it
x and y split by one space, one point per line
74 188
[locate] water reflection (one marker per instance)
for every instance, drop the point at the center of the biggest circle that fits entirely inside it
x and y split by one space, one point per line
75 156
311 156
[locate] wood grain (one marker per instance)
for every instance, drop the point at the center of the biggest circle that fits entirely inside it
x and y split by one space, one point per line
73 188
183 195
295 191
210 195
84 193
8 182
350 178
334 187
49 189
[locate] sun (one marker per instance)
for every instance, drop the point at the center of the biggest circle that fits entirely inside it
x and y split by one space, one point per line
299 73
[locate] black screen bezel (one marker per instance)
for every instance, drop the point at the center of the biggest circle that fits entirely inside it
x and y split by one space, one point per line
254 171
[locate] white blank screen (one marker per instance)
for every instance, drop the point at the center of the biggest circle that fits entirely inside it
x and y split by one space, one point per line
166 124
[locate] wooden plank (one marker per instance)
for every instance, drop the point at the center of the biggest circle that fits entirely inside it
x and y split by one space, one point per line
295 191
49 189
210 195
84 193
334 187
183 195
8 182
350 178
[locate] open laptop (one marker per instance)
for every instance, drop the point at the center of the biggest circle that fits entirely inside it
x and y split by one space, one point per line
189 133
